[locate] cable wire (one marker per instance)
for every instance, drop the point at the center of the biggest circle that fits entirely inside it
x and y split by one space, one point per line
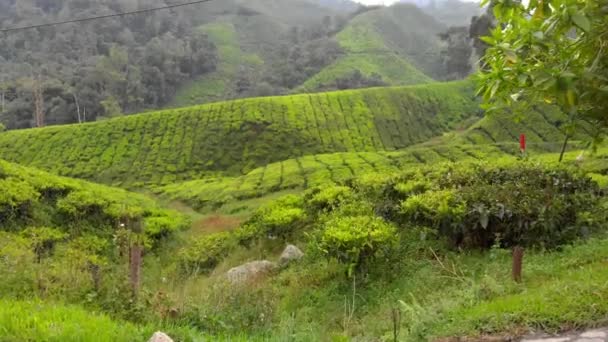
12 29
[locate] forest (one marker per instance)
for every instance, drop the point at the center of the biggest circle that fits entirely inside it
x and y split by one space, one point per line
303 170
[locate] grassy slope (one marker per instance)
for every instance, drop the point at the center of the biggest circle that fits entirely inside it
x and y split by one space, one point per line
455 294
189 143
32 321
220 84
385 41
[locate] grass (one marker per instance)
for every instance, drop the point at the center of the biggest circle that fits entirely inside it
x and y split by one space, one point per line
562 291
190 143
39 321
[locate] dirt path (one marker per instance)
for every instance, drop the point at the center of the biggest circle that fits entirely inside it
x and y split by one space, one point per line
596 335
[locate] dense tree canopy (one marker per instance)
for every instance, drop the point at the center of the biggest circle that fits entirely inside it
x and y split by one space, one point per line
552 52
100 68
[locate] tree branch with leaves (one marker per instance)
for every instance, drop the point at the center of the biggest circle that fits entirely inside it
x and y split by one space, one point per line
552 52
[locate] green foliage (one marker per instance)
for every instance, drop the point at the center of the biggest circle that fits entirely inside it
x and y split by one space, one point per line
434 207
328 198
111 107
43 239
280 218
206 252
356 240
34 198
551 52
33 320
141 149
521 203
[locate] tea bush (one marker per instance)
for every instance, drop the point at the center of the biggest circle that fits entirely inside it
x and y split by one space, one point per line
280 218
29 197
356 240
206 252
328 198
518 203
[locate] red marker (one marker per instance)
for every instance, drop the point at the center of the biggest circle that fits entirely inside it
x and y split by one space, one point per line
522 143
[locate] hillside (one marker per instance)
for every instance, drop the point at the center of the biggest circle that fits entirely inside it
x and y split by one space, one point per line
398 44
40 199
296 175
189 143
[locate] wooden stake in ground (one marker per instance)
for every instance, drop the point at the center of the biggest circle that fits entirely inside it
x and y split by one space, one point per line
518 256
135 260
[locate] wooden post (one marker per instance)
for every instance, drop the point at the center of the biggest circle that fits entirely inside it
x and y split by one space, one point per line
136 256
518 256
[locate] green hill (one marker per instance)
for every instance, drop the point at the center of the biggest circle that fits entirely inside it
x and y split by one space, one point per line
398 43
236 137
489 138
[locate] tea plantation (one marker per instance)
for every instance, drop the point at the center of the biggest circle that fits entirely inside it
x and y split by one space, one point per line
236 137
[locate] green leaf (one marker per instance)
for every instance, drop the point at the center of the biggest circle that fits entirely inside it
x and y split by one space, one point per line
488 40
511 56
579 19
539 35
484 219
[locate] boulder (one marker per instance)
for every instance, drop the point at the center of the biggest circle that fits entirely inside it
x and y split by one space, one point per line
160 337
290 254
250 271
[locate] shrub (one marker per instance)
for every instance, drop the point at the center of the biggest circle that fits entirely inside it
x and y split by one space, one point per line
434 207
328 198
161 223
42 239
356 240
207 252
15 195
519 203
277 219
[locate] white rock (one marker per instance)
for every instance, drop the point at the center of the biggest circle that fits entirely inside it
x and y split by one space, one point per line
160 337
250 271
291 253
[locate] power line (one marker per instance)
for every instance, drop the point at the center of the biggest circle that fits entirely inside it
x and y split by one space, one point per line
12 29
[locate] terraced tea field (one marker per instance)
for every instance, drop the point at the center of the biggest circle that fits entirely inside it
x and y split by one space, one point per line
236 137
309 171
